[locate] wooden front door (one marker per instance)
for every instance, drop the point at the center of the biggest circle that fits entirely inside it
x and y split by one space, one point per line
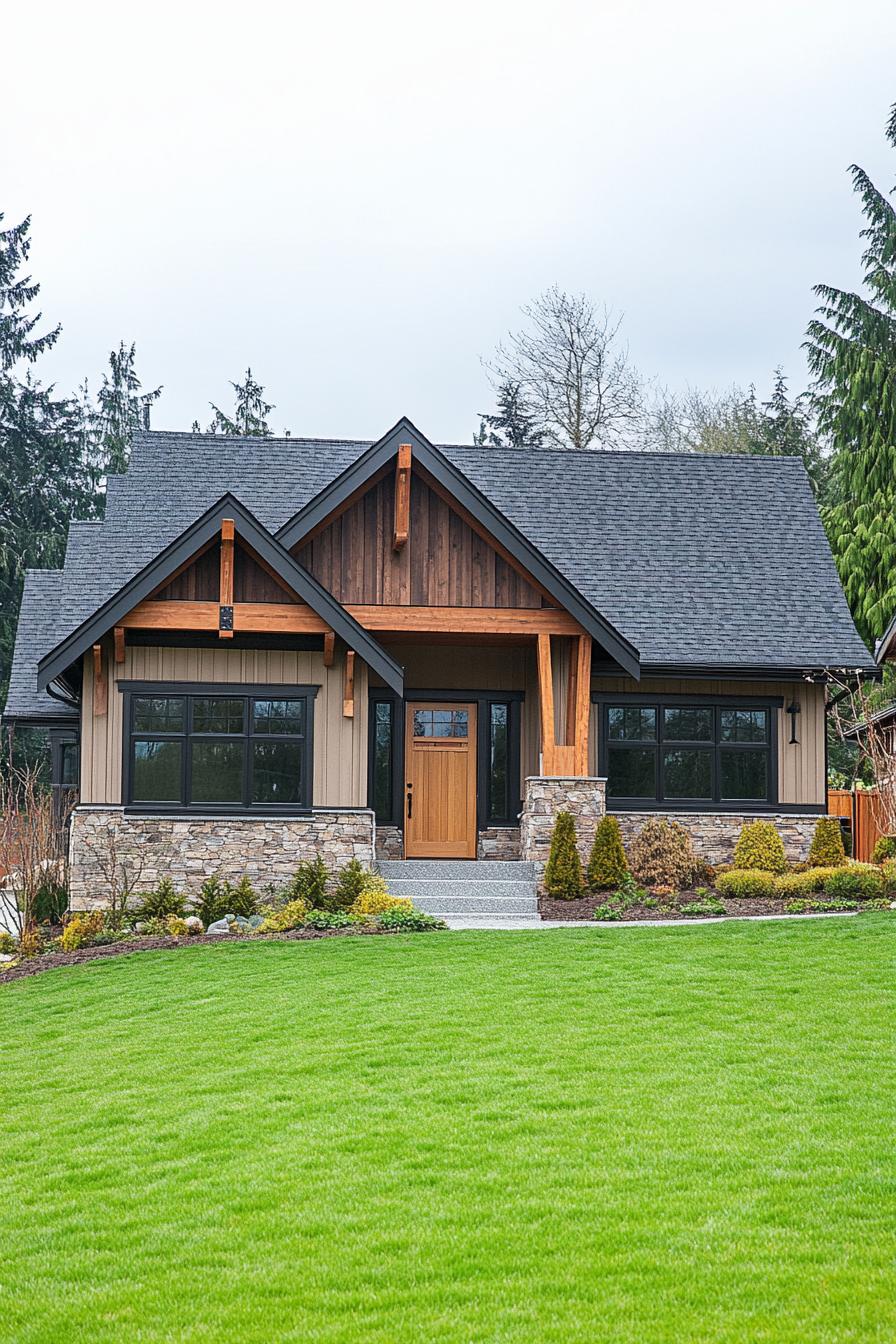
440 794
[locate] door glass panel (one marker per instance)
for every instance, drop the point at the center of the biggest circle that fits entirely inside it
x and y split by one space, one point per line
441 722
382 761
498 800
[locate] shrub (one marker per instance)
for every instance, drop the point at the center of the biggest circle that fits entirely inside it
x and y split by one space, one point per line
50 902
7 943
746 884
827 844
607 864
662 854
607 911
888 873
309 883
81 931
31 942
378 902
818 907
884 849
412 921
804 883
759 846
292 916
855 882
328 919
177 926
240 899
161 902
708 906
563 871
629 893
705 874
210 904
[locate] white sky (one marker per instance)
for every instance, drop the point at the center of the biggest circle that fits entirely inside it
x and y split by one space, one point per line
356 199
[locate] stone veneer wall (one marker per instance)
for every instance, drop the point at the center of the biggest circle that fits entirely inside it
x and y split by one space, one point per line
389 842
190 849
499 842
545 797
715 833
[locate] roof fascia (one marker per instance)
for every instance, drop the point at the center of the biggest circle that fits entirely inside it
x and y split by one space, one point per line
884 645
482 509
178 552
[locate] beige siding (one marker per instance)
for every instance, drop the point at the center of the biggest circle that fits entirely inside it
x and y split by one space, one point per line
801 774
340 743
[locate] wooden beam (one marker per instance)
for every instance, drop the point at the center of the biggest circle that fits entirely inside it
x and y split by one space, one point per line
329 648
546 704
348 693
100 684
248 617
583 705
119 644
225 581
402 496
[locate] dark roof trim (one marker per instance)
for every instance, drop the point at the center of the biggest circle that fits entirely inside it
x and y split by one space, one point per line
486 514
34 720
180 551
885 645
753 671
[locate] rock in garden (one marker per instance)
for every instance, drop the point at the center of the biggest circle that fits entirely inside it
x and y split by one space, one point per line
219 926
194 924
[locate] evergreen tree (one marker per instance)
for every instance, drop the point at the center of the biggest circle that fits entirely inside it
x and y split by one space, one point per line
122 407
852 353
515 425
16 325
250 412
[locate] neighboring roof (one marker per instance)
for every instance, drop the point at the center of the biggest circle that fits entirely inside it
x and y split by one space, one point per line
696 560
179 551
886 646
37 633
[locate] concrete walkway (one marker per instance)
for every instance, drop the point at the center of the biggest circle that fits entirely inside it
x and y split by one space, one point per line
510 925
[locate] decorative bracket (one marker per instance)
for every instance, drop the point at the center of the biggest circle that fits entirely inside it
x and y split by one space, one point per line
402 496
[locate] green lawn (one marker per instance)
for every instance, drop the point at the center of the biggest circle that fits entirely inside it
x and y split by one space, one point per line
591 1134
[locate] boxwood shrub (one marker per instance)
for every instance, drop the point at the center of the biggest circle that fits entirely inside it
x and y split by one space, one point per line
827 849
759 846
746 884
807 883
855 882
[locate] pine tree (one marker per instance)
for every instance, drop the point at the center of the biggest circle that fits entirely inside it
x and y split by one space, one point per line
607 864
122 407
852 353
250 413
515 425
16 326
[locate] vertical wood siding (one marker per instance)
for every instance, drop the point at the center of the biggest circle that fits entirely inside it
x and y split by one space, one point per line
340 743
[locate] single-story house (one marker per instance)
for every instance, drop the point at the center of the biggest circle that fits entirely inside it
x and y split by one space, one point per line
271 647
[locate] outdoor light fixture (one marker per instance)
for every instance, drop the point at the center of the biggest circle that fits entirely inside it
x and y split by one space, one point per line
793 709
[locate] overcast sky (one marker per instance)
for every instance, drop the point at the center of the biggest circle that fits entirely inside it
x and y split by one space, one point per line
356 199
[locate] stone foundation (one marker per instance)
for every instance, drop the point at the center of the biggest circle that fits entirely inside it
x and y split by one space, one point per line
545 797
190 849
499 842
715 833
389 842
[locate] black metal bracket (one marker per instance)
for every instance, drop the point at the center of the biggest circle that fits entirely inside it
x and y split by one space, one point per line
225 618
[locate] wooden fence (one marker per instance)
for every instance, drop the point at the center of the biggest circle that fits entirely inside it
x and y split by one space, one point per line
859 808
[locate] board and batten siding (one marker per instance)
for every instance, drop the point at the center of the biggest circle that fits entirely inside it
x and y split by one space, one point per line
340 743
801 765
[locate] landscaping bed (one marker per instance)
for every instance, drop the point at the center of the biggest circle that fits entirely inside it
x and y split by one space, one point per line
585 906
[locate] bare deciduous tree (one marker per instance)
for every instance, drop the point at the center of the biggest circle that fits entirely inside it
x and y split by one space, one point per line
573 372
120 871
859 719
32 846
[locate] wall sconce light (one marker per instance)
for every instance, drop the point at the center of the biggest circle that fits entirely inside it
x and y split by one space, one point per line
793 709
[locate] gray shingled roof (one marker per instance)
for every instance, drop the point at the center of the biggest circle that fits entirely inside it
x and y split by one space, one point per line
37 633
696 559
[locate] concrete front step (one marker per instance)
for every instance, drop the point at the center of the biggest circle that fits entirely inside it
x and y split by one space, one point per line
477 870
456 887
437 903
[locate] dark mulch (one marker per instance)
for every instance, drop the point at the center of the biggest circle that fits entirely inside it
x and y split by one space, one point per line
584 908
50 961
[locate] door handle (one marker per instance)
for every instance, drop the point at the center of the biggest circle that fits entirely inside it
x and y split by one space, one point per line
410 802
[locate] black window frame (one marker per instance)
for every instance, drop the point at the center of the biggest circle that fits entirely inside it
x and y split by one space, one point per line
191 691
659 744
488 813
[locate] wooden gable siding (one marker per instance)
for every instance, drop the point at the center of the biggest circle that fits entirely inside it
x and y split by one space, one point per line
444 564
198 582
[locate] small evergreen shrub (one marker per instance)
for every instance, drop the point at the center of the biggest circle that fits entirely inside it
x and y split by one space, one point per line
161 902
746 884
240 899
328 919
802 884
50 902
884 849
309 883
378 902
607 864
7 943
176 926
563 871
31 942
827 844
662 854
855 882
81 931
353 882
759 846
888 873
411 921
292 916
210 904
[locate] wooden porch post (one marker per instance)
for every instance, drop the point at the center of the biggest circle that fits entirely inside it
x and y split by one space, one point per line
582 704
546 702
